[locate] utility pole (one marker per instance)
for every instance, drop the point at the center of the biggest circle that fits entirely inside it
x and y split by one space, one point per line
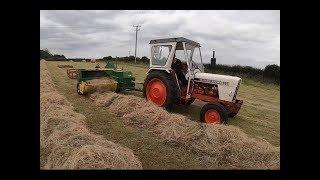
129 54
135 52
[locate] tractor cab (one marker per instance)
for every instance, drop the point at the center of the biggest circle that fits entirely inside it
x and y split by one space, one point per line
178 56
176 76
165 51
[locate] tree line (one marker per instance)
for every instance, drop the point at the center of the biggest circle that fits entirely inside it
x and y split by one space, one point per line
271 73
45 54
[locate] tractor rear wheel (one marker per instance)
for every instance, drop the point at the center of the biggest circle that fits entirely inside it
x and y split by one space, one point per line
159 88
232 115
213 113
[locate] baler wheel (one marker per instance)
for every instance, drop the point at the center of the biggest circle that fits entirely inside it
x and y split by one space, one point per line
213 113
79 91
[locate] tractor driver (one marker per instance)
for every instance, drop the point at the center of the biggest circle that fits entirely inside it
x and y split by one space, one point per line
177 67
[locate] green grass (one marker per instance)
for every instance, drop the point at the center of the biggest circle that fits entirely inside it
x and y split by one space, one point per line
259 117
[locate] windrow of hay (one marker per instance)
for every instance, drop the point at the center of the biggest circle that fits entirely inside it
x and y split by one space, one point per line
225 146
64 66
65 141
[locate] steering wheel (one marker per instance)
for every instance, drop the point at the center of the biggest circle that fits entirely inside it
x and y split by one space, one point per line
195 64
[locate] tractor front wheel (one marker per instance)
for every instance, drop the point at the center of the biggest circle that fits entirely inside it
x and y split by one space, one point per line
213 113
160 89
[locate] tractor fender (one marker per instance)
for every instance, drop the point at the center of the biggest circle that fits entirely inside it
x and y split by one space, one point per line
169 71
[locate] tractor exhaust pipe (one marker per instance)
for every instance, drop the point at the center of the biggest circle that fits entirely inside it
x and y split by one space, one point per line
213 61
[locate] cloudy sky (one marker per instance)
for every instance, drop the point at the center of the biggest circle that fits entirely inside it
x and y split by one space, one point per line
238 37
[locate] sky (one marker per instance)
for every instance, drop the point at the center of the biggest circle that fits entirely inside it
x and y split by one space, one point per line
248 38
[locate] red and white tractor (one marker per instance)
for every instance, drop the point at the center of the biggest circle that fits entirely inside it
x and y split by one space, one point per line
176 76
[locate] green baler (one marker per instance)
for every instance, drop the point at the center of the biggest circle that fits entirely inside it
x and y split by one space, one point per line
120 80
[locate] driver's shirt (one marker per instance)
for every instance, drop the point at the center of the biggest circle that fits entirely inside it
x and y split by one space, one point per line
177 65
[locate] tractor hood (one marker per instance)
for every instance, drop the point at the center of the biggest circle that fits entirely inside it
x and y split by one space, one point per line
227 85
218 79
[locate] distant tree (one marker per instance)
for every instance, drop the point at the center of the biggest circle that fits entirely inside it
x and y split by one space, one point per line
108 58
145 59
272 71
58 57
131 58
45 54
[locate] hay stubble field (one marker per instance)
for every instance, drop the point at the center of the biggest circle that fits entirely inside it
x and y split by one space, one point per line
259 117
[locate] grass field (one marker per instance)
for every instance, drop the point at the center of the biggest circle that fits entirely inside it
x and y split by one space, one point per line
258 117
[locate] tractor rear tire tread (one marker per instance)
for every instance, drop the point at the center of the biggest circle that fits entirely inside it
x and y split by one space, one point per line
172 89
232 115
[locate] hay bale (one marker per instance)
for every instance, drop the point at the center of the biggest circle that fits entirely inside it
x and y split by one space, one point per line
103 84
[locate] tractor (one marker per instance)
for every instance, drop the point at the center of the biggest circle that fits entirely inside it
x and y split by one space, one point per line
176 77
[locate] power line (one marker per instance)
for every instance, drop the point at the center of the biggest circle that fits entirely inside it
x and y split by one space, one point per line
135 51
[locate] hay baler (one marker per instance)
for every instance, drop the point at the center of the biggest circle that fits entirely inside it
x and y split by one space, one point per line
113 79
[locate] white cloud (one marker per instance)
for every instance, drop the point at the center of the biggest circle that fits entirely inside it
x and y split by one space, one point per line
239 37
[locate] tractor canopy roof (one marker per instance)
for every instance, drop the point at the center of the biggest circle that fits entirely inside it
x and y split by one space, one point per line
178 39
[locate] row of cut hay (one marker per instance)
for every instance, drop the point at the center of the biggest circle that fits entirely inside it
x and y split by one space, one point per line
65 66
225 146
65 141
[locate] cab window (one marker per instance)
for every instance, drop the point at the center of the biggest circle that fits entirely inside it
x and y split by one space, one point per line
160 54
